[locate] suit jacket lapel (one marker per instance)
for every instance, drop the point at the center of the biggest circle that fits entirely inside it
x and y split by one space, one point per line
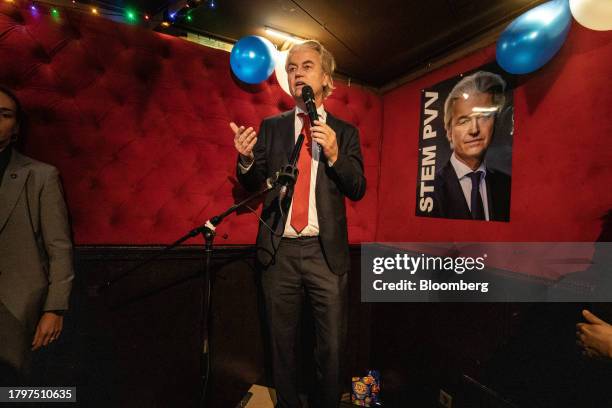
286 141
457 206
490 202
15 177
287 132
331 122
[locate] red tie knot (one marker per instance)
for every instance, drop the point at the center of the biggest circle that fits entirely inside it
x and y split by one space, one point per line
305 119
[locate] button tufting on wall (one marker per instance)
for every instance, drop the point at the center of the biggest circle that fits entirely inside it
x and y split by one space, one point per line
94 184
17 17
74 33
124 87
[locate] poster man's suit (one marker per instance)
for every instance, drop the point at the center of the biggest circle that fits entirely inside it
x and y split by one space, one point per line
449 200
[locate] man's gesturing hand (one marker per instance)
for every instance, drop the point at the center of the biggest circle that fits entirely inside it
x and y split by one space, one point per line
244 140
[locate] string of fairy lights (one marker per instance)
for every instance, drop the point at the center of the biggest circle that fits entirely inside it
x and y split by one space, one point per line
181 12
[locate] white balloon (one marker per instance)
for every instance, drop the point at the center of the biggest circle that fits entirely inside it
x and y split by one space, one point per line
593 14
271 47
279 69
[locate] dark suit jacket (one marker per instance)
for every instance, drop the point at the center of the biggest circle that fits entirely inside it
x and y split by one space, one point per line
276 139
449 201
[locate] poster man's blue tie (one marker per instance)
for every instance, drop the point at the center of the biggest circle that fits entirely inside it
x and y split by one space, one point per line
476 205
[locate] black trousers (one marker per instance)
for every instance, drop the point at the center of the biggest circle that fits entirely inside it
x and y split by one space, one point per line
301 270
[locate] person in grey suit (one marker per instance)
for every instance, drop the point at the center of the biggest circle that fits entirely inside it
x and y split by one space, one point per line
36 268
305 253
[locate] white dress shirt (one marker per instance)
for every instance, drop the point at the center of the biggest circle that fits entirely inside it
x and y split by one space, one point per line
466 183
312 229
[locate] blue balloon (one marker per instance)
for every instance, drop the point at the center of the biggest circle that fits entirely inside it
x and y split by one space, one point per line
252 59
534 37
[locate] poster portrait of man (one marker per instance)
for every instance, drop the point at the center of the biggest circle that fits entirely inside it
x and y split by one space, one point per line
465 148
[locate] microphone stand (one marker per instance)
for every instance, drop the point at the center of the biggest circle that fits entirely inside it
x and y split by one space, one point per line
208 232
285 178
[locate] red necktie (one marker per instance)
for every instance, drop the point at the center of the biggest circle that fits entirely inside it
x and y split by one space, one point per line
301 192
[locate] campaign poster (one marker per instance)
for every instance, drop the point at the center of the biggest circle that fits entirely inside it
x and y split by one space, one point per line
465 147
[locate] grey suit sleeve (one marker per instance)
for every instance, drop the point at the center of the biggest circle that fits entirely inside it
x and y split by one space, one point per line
348 168
55 231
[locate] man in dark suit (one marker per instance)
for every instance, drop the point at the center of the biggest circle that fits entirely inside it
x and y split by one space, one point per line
35 250
465 187
304 252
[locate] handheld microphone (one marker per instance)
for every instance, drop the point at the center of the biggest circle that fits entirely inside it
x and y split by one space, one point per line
288 173
311 107
309 100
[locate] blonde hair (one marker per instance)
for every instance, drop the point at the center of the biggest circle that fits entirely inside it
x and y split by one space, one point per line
327 61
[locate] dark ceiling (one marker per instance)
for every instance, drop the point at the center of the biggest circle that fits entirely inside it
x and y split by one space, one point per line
374 41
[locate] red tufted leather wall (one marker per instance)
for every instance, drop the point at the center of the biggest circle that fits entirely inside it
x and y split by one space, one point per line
137 123
562 159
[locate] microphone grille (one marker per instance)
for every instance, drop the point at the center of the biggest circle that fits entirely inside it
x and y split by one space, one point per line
307 92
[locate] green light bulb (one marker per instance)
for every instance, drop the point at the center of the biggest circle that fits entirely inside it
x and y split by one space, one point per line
130 15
